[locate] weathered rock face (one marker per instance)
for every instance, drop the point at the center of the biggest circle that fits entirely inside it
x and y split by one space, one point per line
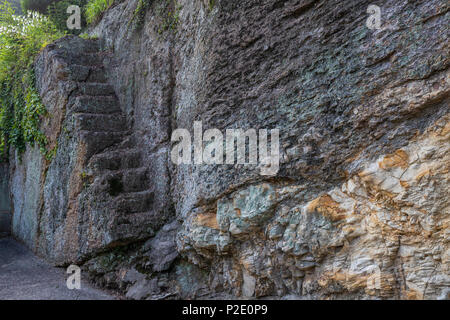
5 205
383 232
95 193
359 207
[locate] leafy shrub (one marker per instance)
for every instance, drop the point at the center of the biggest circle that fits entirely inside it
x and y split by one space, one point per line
21 38
95 8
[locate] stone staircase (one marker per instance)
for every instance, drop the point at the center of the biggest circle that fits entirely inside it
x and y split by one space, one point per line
119 195
120 174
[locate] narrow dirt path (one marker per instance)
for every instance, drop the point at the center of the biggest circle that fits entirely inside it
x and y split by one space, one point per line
23 276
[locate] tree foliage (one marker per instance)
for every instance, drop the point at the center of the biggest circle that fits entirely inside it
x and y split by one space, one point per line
21 39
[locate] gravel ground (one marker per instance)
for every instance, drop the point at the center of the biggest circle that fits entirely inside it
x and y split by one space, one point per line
23 276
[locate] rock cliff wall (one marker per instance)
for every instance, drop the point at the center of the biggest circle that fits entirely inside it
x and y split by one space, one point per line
5 205
359 207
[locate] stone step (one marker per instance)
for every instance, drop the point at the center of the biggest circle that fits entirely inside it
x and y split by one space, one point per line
77 72
96 89
135 226
128 143
100 122
97 142
135 180
137 218
89 59
82 45
129 203
83 73
97 74
122 181
99 104
117 159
